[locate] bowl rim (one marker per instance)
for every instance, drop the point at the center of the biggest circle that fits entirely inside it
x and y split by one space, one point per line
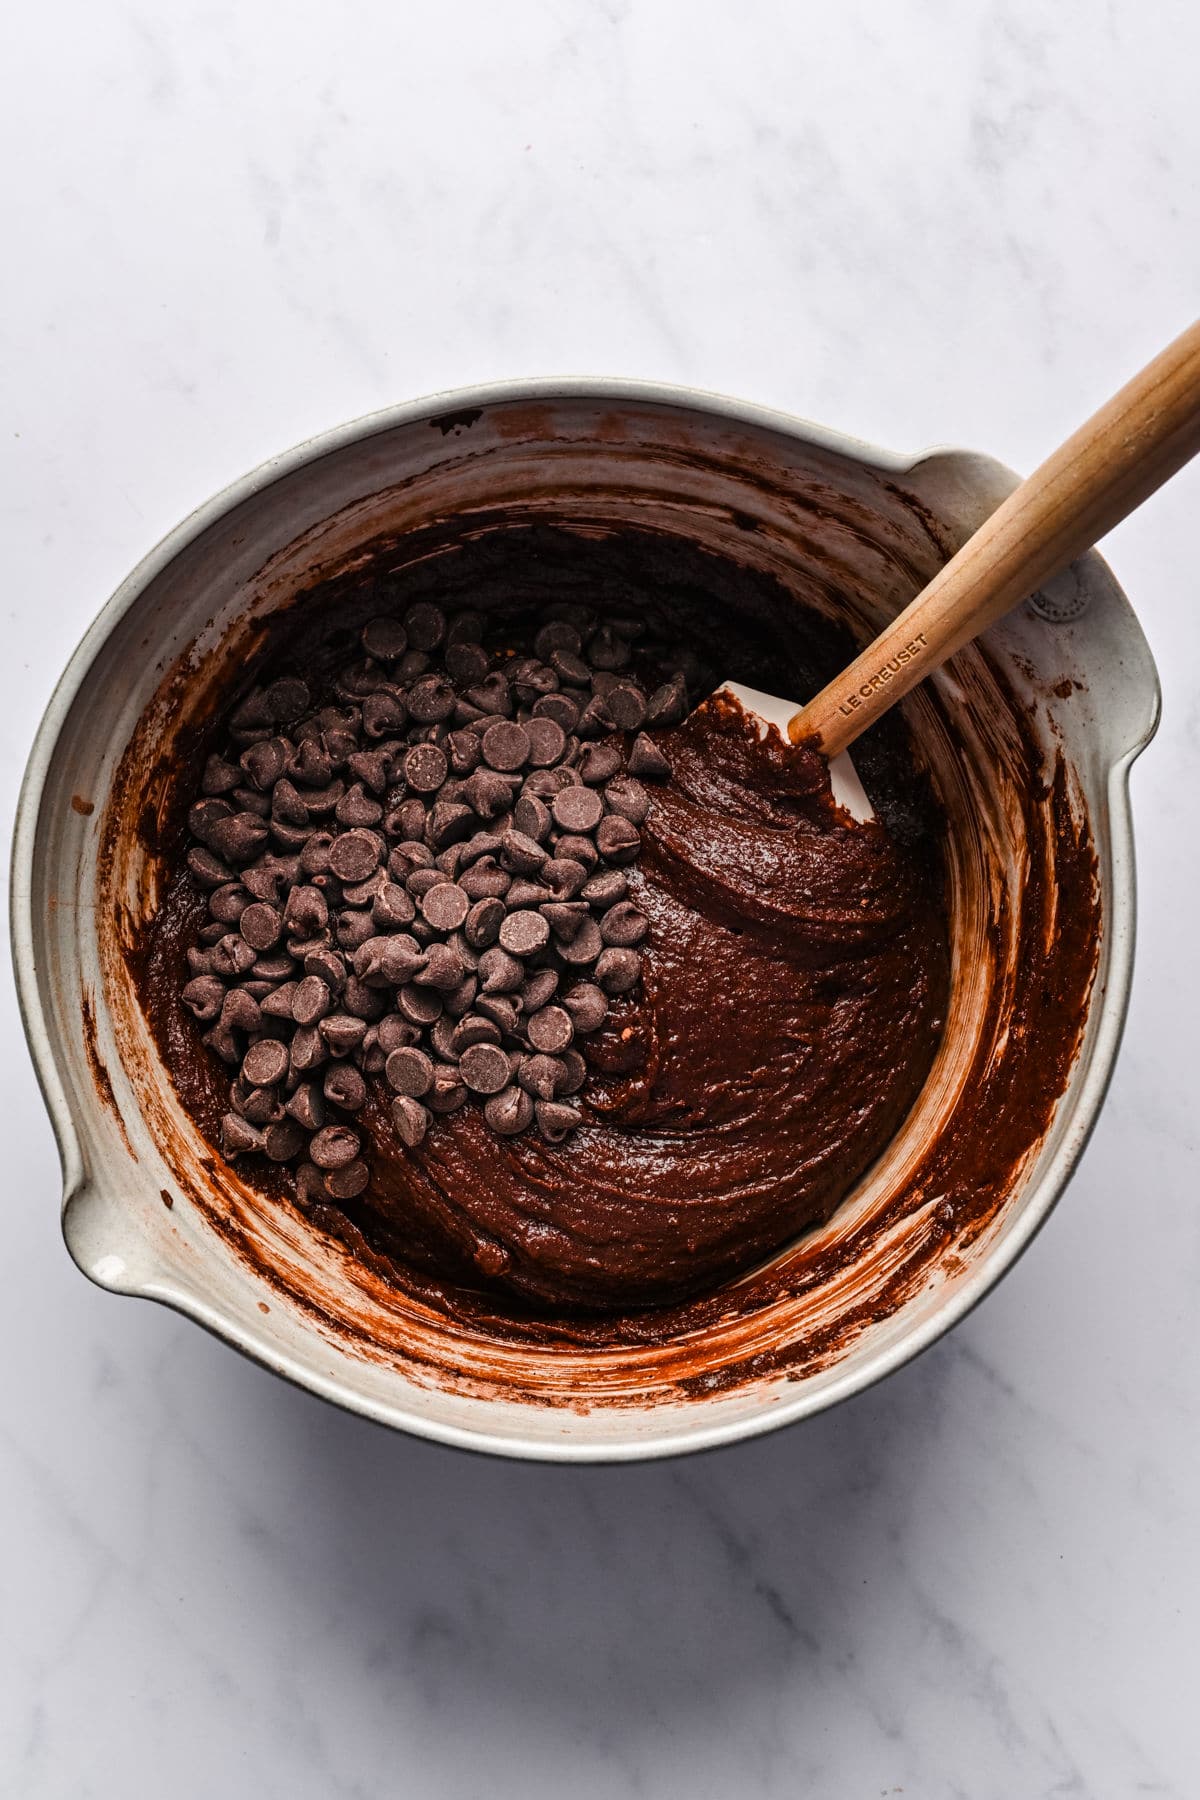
983 1276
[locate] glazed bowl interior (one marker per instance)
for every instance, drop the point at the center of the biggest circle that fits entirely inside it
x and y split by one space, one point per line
149 1207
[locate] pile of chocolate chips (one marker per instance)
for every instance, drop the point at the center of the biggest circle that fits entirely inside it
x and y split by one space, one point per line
424 880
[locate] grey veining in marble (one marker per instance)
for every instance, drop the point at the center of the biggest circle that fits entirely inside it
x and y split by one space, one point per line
229 226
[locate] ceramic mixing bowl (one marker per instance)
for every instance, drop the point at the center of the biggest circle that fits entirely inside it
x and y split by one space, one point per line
149 1209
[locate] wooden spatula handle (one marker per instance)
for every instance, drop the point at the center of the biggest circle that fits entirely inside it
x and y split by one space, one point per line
1125 451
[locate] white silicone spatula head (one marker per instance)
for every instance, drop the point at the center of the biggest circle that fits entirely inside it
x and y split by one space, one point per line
768 709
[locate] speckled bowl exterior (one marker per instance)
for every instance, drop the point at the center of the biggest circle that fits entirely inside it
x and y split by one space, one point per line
243 554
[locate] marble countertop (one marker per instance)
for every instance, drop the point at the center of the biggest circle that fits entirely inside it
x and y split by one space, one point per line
230 226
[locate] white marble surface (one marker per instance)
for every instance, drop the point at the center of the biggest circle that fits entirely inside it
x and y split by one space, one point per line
231 225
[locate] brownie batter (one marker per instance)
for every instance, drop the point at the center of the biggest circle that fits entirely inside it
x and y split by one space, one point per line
794 977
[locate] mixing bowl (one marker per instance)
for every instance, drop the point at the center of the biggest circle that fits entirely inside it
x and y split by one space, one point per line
150 1209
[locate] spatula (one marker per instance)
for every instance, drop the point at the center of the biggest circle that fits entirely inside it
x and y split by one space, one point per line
1116 460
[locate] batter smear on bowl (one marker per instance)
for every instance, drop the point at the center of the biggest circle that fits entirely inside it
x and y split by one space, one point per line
479 938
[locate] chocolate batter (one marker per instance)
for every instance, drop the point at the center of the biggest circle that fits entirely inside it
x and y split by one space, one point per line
795 972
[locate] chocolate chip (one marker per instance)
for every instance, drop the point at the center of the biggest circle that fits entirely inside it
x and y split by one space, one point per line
385 639
564 876
595 719
264 762
464 752
628 797
349 1182
312 767
421 880
334 1146
505 745
626 705
624 925
473 1028
265 1063
547 742
577 809
618 839
466 663
556 635
411 1121
283 1140
485 1068
502 1009
524 932
409 1071
307 1106
383 714
219 776
487 793
354 855
392 907
342 1032
493 697
286 699
569 666
306 912
565 919
445 906
500 973
420 1006
531 818
556 1121
485 881
605 890
412 664
446 823
222 1043
345 1087
228 902
478 871
560 708
353 929
361 1001
524 892
237 839
509 1113
314 858
395 1033
425 625
425 768
599 762
550 1029
431 699
538 989
606 649
668 704
645 758
261 925
238 1136
231 956
618 970
240 1011
584 947
483 922
573 847
309 1049
207 869
356 807
541 1075
203 997
443 968
448 1092
521 853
